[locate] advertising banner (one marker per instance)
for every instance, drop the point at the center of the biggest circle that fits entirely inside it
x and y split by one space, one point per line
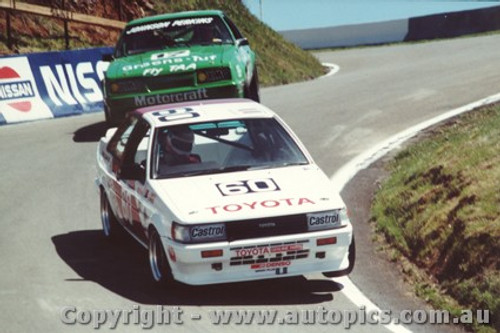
51 84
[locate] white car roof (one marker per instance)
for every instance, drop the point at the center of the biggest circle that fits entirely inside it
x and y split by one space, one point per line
204 110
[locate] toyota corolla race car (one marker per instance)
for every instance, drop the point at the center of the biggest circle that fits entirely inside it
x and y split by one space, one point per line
221 191
175 58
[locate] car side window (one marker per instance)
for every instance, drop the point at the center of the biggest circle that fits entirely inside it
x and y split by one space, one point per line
121 137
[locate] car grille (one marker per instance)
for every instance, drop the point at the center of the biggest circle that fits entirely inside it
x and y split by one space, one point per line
252 253
266 227
155 83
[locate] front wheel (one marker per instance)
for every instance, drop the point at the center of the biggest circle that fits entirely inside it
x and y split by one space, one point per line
352 260
160 269
110 225
252 91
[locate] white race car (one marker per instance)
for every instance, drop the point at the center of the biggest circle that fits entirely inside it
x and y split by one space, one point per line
221 191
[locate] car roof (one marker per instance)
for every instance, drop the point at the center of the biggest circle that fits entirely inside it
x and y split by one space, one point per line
170 16
203 110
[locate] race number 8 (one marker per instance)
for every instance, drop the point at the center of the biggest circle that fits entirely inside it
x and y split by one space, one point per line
248 186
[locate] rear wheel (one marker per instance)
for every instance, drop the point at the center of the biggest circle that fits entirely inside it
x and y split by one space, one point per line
160 268
110 225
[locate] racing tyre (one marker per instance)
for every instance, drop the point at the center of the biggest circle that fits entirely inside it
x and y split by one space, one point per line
160 268
352 260
110 225
252 91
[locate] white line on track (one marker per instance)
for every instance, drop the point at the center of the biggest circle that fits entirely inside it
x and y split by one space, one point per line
333 69
362 161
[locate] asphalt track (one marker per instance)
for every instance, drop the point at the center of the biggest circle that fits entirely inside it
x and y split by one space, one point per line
53 254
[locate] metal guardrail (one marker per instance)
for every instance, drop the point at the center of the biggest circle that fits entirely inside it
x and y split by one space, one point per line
11 6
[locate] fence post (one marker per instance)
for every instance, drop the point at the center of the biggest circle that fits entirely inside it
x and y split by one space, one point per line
9 29
66 33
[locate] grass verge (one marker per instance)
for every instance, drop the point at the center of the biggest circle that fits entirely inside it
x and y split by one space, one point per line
439 211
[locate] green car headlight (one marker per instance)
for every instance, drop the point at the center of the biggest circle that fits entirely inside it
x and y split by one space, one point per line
213 75
125 87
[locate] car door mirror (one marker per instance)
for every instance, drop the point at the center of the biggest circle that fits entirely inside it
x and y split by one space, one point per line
242 42
108 57
133 172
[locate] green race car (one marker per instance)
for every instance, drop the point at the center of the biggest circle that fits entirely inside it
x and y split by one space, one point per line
175 58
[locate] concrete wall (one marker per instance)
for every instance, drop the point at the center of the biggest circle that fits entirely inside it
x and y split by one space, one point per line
418 28
349 35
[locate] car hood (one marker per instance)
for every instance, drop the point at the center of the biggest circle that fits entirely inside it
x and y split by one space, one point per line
169 61
250 194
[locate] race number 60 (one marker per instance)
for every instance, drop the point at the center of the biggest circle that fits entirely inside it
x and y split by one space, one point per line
248 186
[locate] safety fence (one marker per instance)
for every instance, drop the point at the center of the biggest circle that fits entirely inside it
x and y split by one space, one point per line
62 10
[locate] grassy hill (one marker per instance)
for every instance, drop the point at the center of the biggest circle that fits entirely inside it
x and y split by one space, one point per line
439 210
279 61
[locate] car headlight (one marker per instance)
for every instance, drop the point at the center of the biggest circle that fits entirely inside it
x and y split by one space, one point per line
213 74
125 87
331 219
201 233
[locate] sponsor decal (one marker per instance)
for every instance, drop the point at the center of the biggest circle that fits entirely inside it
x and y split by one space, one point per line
19 98
206 232
173 54
177 61
175 114
267 250
193 95
248 186
73 83
167 24
192 21
246 206
271 264
279 267
152 71
148 27
318 221
15 90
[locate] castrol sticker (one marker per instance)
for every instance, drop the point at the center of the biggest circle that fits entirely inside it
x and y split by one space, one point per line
324 220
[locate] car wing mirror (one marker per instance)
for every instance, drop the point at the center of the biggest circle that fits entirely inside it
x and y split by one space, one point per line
108 57
242 42
133 172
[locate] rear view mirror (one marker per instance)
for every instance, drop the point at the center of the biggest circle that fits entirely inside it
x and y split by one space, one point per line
242 42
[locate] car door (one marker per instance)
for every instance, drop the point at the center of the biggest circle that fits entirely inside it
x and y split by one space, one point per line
132 178
117 147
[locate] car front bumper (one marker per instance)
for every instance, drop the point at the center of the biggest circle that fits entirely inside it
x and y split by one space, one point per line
262 258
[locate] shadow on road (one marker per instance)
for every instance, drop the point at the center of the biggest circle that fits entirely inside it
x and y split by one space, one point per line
122 268
90 133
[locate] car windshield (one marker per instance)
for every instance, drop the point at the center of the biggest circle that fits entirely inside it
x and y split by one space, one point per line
186 31
223 146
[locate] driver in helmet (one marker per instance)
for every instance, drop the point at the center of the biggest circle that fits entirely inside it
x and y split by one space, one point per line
178 144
